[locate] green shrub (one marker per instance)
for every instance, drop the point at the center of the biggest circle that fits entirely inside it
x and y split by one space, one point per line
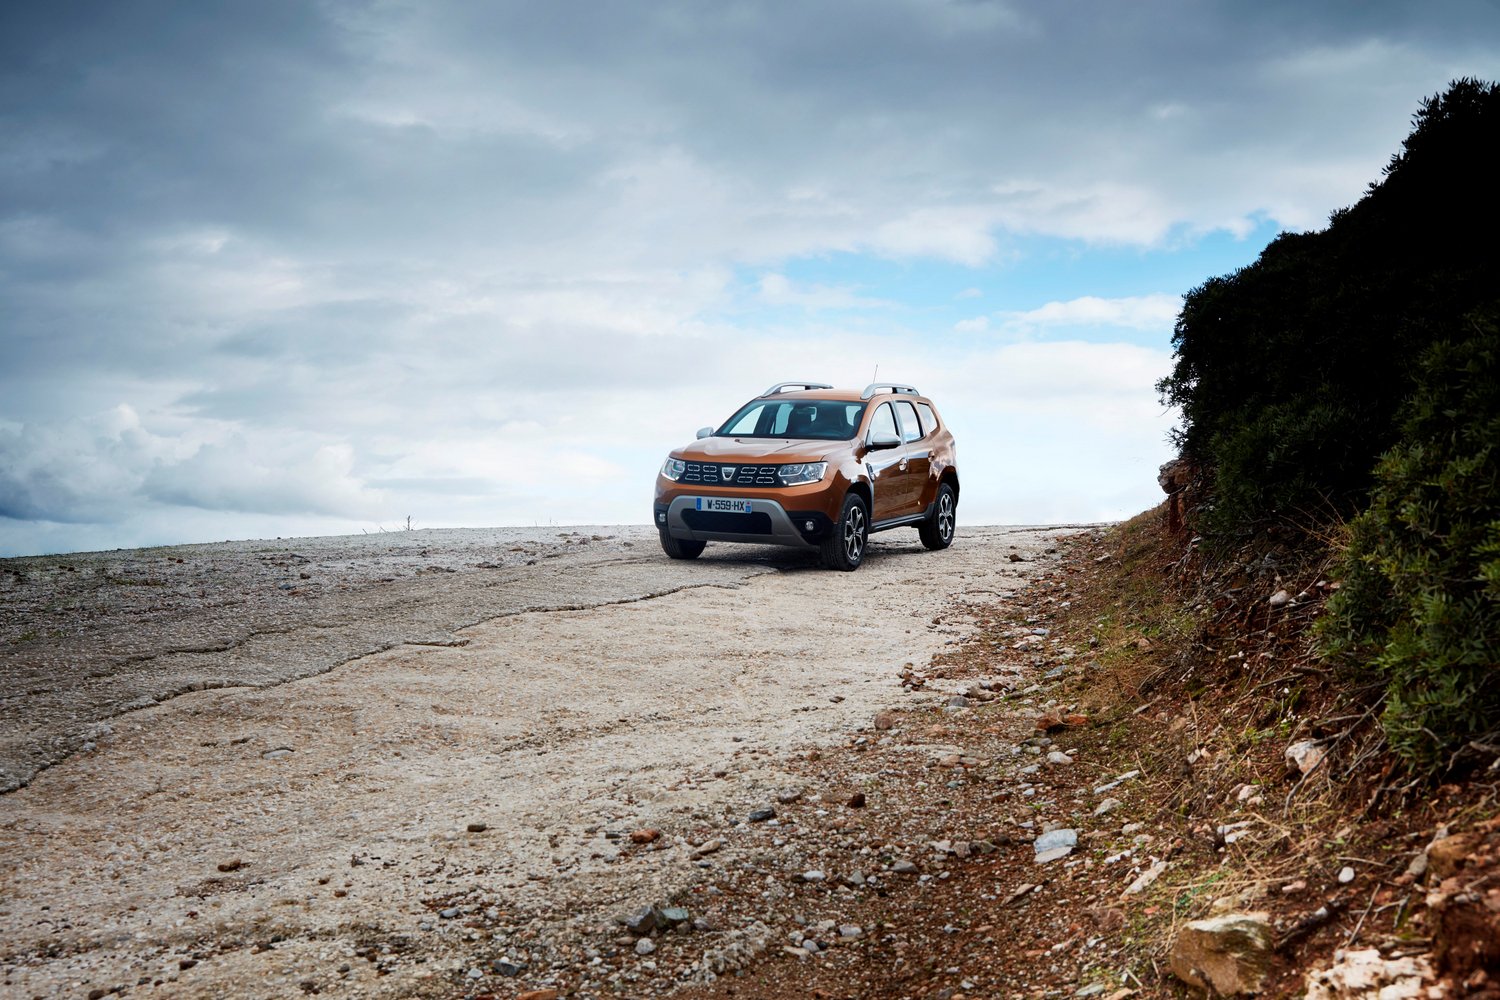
1420 600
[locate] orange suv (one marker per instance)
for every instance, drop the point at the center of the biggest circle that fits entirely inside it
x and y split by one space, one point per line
814 467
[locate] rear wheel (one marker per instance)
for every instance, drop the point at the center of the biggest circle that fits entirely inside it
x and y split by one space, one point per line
844 548
680 548
937 530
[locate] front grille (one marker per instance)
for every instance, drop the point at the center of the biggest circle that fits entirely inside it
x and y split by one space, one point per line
730 474
738 524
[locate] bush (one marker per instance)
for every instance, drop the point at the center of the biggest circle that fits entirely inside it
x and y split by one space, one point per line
1290 373
1420 600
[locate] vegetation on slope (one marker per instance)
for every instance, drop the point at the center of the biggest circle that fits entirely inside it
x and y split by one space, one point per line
1350 374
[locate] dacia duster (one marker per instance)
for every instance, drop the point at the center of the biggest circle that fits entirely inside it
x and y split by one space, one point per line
814 467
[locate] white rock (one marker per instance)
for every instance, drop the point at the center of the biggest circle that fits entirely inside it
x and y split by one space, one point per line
1305 755
1146 878
1364 973
645 946
1346 875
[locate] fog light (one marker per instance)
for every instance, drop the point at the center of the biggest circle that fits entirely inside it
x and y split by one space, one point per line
808 525
662 518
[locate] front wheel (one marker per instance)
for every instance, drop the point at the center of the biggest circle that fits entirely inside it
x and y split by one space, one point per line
680 548
844 548
937 530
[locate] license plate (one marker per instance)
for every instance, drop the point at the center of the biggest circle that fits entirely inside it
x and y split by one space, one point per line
723 505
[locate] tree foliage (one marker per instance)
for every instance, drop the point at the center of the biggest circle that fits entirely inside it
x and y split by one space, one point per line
1289 372
1355 372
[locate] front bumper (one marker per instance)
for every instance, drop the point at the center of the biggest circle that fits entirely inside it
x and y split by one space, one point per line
769 523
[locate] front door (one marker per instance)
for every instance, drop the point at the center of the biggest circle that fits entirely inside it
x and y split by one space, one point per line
887 466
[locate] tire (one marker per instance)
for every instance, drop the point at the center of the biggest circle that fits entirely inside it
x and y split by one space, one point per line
844 548
680 548
937 530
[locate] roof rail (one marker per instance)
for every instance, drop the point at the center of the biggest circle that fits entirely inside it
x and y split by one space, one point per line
896 387
779 386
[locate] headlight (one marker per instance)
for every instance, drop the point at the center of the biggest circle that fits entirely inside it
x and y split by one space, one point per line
673 468
796 475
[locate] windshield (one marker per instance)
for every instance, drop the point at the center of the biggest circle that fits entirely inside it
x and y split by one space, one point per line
814 419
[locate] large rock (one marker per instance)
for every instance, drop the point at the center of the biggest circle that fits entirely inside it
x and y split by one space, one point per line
1228 955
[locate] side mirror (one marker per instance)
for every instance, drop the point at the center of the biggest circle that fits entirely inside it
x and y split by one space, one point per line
704 432
883 439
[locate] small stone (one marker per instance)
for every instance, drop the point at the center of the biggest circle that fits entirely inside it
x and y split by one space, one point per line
1346 875
856 801
851 931
231 866
644 836
810 946
642 921
788 795
186 963
1305 755
278 753
1279 598
645 946
762 814
671 916
813 876
1106 806
537 995
1062 837
885 720
958 701
476 973
1058 757
478 827
1292 888
507 968
708 847
904 867
1144 880
451 913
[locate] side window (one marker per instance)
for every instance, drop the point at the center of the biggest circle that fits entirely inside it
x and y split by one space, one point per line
884 423
746 424
910 429
929 419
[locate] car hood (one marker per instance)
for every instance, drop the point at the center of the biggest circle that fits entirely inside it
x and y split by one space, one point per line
779 450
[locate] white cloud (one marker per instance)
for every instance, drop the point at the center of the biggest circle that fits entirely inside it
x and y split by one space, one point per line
1137 312
778 290
976 324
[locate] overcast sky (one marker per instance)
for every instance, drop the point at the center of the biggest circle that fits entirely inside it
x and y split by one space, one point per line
300 268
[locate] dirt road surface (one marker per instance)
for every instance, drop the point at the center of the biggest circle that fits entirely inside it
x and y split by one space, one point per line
267 769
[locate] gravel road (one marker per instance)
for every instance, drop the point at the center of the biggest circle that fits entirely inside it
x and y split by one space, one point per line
240 769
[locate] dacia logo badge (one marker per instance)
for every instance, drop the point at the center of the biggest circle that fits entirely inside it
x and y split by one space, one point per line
728 471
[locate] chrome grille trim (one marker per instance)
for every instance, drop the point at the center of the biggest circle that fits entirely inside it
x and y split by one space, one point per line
711 474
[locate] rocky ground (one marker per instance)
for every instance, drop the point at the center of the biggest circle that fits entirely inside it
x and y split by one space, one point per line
376 765
990 772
